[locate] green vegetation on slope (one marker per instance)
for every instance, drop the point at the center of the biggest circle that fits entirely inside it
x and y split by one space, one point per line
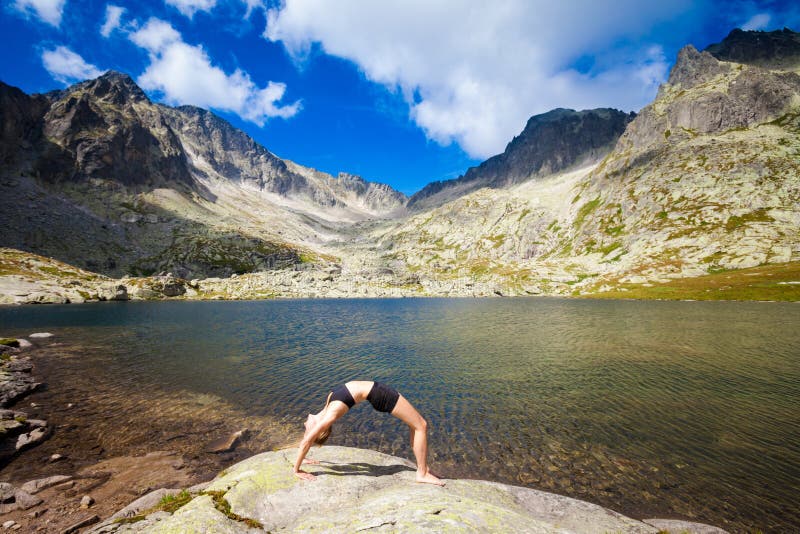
33 266
778 282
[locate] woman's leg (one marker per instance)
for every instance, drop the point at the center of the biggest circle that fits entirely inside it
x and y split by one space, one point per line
404 411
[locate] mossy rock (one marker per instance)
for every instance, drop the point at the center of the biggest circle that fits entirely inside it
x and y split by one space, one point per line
9 342
358 489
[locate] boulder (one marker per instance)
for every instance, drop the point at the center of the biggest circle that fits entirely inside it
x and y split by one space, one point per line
143 503
8 426
226 443
6 492
16 381
12 498
32 438
359 490
87 501
22 365
113 291
40 335
173 288
35 486
199 515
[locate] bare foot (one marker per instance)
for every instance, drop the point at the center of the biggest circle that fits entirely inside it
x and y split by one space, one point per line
429 478
434 473
304 475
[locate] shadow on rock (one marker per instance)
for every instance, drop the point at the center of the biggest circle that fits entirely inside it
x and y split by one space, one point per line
363 469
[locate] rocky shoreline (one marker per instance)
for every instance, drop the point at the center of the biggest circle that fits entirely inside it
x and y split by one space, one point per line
64 502
309 281
17 430
30 279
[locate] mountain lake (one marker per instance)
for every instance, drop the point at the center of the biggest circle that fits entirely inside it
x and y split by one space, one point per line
654 409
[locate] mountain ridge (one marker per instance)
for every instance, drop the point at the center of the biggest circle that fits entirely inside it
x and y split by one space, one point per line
146 181
702 180
550 142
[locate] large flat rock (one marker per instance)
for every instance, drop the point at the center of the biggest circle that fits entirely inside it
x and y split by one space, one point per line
361 490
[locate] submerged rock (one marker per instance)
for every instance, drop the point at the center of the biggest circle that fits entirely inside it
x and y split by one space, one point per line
16 380
35 486
32 438
358 490
12 498
226 443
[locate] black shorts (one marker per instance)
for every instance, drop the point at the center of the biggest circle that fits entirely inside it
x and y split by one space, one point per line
382 397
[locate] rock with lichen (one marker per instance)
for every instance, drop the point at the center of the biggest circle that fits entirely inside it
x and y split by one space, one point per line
357 490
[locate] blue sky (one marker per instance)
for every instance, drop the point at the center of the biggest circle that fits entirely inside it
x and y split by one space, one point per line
401 92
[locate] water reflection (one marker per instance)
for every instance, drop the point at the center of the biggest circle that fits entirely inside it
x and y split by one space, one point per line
686 409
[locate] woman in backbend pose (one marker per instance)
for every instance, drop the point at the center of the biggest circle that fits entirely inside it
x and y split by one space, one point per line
384 399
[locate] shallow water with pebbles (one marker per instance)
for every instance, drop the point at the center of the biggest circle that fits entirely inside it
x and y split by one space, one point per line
669 409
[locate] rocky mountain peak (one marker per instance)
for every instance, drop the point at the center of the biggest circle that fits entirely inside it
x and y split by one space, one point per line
734 85
113 87
374 196
692 67
777 49
550 143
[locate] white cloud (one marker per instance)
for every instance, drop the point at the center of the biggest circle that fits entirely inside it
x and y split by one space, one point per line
50 11
473 73
156 36
190 7
185 75
757 22
68 67
112 22
253 5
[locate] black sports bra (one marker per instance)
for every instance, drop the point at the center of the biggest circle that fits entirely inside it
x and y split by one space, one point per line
341 393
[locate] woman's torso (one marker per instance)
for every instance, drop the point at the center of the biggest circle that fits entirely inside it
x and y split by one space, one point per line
359 389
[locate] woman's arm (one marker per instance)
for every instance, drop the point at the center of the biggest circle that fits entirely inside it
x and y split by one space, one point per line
308 440
301 453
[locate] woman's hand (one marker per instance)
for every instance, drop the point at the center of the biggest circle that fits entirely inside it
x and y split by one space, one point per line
304 475
310 461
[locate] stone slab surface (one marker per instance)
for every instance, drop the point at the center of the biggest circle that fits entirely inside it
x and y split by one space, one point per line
359 490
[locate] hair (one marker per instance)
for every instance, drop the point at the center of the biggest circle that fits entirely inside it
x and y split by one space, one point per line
325 434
